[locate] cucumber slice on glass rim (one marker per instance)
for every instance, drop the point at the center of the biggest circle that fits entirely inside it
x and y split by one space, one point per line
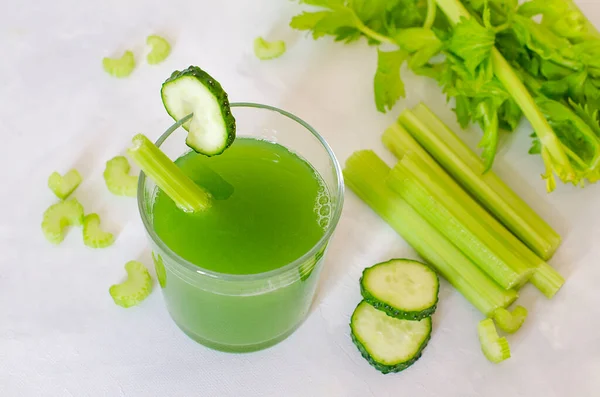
211 129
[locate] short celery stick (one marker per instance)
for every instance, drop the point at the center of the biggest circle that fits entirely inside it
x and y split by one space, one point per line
510 322
93 236
117 178
365 174
58 217
135 289
468 169
119 67
546 279
268 49
63 186
168 176
495 348
417 184
160 49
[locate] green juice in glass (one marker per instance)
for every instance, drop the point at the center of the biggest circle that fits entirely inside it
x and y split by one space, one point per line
269 208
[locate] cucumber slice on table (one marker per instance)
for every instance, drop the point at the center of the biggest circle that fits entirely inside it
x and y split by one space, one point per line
402 288
389 344
211 130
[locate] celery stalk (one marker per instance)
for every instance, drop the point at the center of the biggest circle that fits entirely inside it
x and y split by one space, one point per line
417 184
400 142
466 167
365 174
186 194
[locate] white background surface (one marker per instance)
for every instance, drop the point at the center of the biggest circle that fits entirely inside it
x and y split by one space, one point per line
60 332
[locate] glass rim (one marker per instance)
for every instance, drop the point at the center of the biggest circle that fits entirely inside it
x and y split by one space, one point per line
339 182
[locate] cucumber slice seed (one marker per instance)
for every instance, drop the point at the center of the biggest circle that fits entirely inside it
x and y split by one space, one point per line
117 178
212 127
160 49
63 186
510 322
58 217
389 344
119 67
268 49
135 289
495 348
93 236
402 288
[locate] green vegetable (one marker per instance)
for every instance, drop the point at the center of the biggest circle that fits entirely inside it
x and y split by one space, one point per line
510 322
467 169
63 186
388 344
135 289
168 176
58 217
93 236
268 49
401 288
498 64
117 178
159 268
365 174
400 142
211 129
420 186
121 67
495 348
160 49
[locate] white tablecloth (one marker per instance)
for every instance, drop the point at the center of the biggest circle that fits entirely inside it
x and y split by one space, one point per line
60 332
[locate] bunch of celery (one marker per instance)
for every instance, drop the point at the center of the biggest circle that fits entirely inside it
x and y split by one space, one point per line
498 63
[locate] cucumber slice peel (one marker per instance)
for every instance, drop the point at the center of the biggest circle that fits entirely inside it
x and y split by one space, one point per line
117 178
64 185
268 49
211 130
388 344
135 289
402 288
160 49
58 217
93 236
495 348
510 322
119 67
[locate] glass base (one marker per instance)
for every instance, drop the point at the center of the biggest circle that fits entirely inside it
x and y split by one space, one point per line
238 348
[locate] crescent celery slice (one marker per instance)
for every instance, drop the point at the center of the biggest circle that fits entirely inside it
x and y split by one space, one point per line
64 185
160 49
119 67
58 217
510 322
93 236
135 289
495 348
268 49
117 178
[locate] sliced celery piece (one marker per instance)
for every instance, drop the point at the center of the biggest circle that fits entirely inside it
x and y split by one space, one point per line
119 67
467 168
417 184
160 49
365 174
58 217
168 176
93 236
135 289
268 49
117 178
510 322
495 348
64 185
546 279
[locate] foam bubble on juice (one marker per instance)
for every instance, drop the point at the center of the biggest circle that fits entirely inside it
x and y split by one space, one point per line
323 206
